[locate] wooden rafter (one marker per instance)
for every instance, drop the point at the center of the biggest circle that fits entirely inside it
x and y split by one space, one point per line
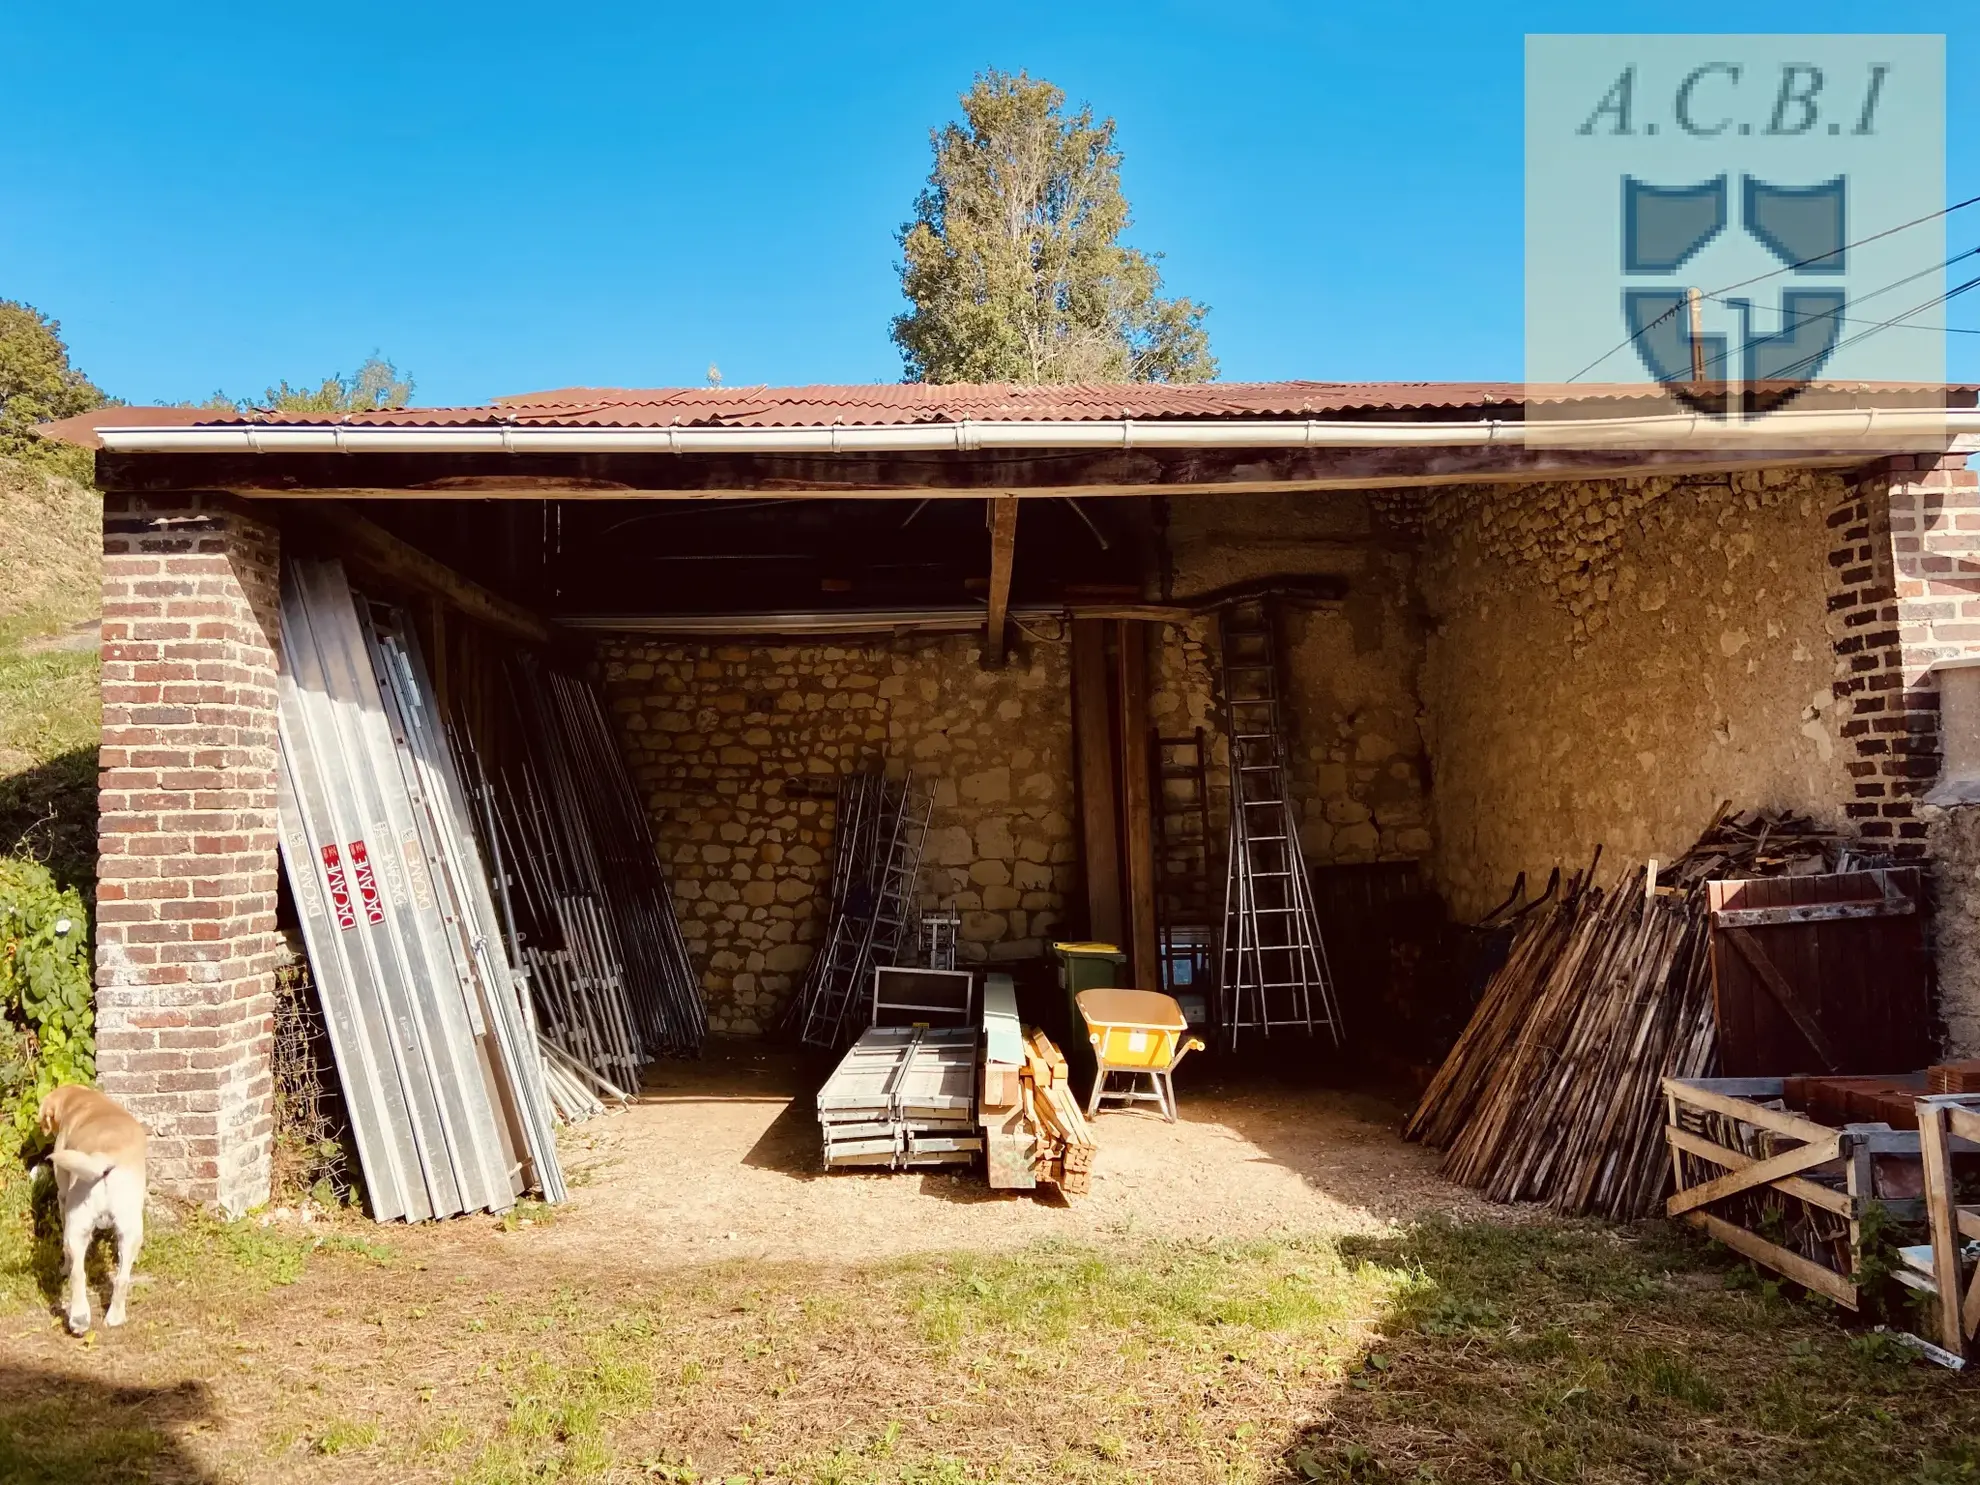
1003 552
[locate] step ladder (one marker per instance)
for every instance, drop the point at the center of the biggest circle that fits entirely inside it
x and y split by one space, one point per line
1273 976
1185 919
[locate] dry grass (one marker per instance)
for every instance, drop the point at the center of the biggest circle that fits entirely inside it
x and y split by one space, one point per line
1441 1353
50 713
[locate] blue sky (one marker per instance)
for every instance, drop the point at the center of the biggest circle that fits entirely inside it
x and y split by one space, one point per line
512 197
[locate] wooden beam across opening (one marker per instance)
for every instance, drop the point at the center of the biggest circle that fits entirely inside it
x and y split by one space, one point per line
371 548
495 476
1003 552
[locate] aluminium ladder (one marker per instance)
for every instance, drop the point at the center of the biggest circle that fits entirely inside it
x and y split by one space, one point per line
1184 918
875 882
1273 966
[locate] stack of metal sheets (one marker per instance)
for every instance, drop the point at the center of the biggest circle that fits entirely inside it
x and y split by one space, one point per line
903 1096
435 1042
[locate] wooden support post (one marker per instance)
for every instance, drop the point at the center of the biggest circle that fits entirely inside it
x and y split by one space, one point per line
1094 744
1942 1216
1003 552
1137 803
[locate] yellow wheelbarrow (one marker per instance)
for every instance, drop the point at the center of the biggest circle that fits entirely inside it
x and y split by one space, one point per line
1138 1036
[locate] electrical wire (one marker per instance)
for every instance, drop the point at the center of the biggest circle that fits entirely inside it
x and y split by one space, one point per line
1627 340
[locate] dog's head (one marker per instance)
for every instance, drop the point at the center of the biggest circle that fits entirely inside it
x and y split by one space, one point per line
55 1107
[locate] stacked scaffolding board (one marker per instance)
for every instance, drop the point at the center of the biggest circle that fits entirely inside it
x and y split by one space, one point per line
880 827
434 1041
1273 976
590 913
903 1096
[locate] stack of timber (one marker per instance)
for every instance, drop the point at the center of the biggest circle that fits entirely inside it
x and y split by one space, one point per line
435 1044
588 912
1552 1092
1064 1153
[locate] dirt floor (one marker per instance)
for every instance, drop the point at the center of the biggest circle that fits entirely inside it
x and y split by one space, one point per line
721 1160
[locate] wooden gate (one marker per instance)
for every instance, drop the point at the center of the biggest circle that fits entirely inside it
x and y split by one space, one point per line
1820 974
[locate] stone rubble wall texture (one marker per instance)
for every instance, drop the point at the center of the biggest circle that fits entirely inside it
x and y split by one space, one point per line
185 918
1355 723
1608 660
736 748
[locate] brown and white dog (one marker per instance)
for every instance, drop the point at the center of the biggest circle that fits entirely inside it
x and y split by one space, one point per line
99 1177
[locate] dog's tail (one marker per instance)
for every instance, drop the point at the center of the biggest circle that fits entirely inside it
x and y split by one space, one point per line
80 1165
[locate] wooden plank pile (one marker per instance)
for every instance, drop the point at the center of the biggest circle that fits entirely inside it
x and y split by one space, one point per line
1064 1152
1553 1091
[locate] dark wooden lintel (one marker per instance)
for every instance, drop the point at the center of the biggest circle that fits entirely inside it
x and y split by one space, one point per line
486 476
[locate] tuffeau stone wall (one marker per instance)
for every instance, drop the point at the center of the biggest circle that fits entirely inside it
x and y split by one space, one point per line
737 749
1606 661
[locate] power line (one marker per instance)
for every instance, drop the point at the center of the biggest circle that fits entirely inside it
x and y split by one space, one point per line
1775 273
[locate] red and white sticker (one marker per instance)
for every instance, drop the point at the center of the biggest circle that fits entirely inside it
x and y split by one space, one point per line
340 892
367 884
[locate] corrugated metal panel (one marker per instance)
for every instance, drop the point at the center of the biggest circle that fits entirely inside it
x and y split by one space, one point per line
434 1045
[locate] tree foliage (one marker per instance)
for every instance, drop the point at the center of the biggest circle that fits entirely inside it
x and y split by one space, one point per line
1014 263
374 385
38 385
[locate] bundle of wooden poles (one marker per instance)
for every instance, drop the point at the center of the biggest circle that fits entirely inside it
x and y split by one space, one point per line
1551 1093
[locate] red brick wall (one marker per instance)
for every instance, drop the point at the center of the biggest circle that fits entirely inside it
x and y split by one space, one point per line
1907 557
185 943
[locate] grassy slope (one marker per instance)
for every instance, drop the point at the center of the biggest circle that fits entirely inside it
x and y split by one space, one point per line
50 592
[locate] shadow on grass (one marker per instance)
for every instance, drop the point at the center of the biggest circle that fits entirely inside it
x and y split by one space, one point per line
48 812
1549 1351
62 1427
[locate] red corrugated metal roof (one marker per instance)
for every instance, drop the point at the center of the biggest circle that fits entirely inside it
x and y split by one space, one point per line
912 402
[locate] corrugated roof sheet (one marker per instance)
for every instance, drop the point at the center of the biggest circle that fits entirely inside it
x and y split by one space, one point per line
912 402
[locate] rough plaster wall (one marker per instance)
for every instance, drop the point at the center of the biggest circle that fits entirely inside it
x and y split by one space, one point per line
1609 660
1955 846
1358 765
726 740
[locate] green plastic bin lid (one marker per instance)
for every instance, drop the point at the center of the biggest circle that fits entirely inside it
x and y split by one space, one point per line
1090 951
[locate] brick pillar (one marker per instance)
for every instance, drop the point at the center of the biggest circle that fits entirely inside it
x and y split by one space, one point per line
185 934
1907 560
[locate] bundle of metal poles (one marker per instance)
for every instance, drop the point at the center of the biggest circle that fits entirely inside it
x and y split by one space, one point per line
590 912
434 1038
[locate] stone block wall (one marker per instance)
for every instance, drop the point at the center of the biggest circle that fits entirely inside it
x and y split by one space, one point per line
1608 660
1353 709
737 748
185 930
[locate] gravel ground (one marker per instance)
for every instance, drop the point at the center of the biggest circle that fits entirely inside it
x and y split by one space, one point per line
720 1160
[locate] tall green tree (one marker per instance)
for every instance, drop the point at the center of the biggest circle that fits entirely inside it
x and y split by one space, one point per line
38 385
1014 262
373 386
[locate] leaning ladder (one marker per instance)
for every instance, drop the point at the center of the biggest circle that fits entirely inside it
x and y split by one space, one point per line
1183 914
1273 966
871 916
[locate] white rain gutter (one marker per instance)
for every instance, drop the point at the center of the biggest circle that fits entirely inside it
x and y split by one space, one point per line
1829 429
